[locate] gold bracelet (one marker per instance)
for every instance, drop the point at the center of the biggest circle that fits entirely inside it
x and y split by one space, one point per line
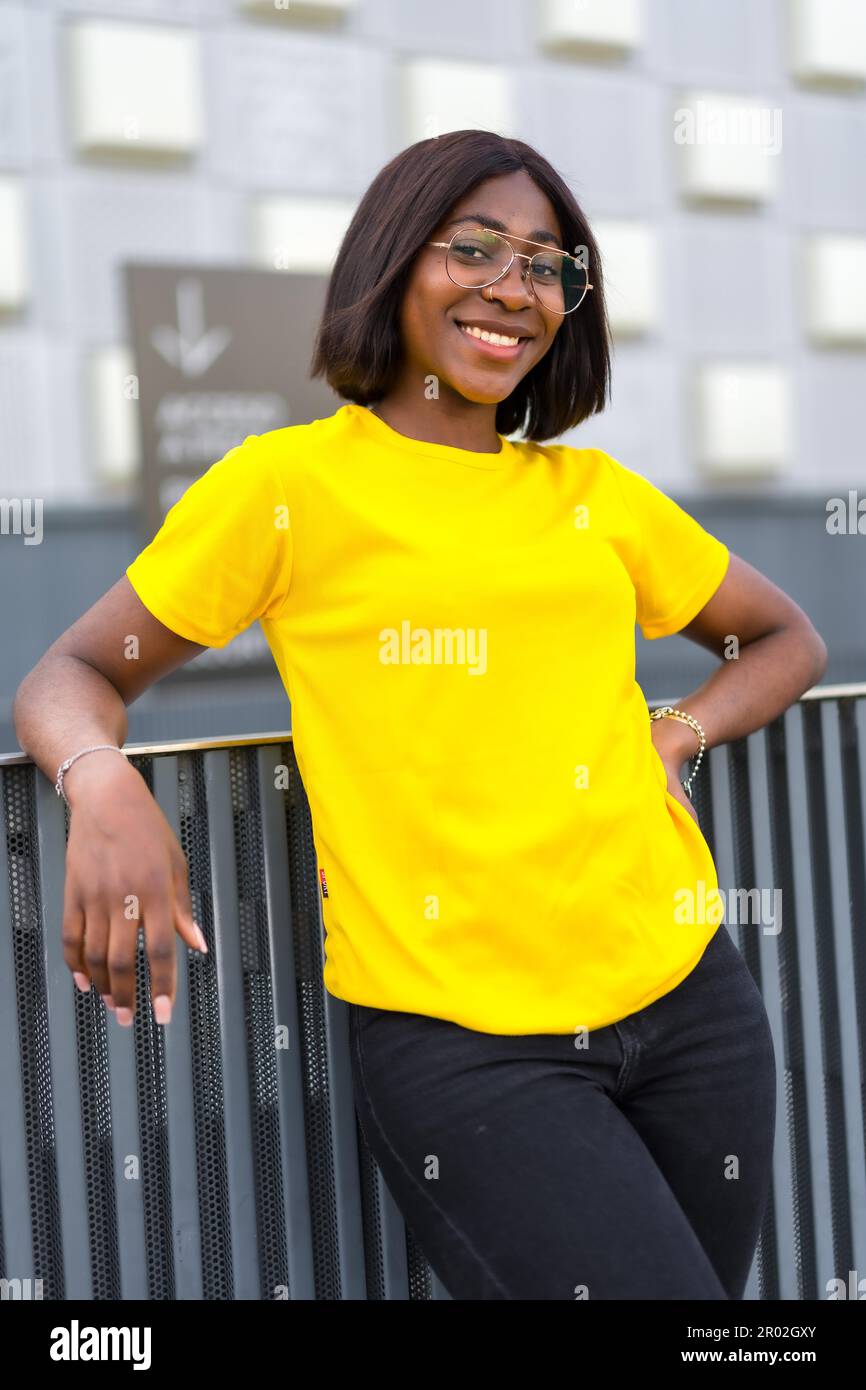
669 710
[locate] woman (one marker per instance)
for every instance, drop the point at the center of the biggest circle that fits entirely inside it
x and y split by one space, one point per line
561 1061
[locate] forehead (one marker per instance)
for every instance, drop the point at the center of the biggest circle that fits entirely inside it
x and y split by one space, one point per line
510 203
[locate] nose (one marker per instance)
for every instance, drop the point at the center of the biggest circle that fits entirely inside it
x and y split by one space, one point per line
514 288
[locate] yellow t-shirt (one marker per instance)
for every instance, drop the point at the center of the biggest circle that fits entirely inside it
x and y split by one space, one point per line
455 631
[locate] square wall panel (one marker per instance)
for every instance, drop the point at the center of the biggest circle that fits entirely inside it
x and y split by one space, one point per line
591 28
113 403
827 40
632 266
727 147
326 11
742 419
134 88
14 259
835 276
299 234
442 94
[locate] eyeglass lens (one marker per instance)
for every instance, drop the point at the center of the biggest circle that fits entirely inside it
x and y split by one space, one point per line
476 258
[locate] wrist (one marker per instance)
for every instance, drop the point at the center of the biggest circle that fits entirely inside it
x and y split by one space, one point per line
674 740
91 773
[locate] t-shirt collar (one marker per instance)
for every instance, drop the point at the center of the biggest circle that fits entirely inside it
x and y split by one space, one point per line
378 429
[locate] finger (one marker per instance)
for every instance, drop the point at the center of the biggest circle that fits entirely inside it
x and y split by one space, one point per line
122 956
96 930
72 937
186 924
159 941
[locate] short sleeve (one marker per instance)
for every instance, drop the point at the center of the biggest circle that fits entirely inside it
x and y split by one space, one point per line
677 565
223 555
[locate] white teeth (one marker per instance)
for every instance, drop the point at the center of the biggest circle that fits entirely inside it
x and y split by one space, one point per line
496 338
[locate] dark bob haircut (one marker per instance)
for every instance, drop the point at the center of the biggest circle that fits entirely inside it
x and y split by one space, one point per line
358 346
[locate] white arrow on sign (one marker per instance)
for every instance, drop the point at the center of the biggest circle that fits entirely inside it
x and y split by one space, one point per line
188 347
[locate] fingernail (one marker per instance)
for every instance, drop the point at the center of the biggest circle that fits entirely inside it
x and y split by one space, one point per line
162 1008
124 1017
81 981
201 941
109 1002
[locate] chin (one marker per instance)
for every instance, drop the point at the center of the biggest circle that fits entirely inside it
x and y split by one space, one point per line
482 395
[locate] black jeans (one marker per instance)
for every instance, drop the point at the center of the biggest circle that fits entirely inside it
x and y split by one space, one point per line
527 1168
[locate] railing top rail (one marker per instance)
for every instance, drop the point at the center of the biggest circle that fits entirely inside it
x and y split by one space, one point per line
182 745
854 690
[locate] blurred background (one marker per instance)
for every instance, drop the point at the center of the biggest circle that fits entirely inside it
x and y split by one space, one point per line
175 179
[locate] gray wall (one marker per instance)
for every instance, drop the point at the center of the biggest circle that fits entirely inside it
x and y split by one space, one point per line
295 109
85 551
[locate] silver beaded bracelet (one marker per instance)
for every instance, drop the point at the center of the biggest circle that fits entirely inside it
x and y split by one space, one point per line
65 766
669 710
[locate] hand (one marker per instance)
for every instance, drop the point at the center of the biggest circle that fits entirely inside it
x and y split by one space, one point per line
676 789
675 741
124 868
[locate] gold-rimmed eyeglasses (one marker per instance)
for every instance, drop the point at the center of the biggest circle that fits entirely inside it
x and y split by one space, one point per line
478 256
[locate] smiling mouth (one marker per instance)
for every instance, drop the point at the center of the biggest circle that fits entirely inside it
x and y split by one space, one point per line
493 345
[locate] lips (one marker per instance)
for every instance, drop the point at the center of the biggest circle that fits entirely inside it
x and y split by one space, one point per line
505 330
504 353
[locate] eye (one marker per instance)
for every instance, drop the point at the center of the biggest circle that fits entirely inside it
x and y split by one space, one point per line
547 269
470 248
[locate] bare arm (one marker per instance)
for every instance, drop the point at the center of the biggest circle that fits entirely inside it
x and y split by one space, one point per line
770 654
78 691
123 861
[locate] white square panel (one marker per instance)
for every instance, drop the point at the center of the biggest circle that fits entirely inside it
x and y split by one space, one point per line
14 260
591 27
299 234
303 10
112 397
835 276
742 418
728 147
828 40
632 266
134 88
441 95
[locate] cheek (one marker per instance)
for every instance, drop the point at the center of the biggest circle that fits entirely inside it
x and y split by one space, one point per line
424 322
547 344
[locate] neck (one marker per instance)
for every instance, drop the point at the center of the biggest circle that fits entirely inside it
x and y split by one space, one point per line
464 426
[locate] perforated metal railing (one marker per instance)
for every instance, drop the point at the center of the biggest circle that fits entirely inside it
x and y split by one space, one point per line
221 1158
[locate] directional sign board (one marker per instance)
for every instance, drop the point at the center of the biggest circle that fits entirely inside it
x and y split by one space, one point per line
220 353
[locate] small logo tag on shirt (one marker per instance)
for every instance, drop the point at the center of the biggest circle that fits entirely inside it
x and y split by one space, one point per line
324 883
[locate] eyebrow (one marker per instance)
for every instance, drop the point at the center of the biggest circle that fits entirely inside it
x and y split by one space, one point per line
539 233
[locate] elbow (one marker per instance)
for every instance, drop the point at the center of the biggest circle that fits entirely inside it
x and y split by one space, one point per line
19 697
819 655
19 706
22 692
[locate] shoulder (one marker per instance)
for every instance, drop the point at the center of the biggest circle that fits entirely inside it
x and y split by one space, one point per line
293 448
591 465
563 455
627 485
271 459
288 441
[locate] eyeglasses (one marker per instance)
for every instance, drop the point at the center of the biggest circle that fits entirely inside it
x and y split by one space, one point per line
477 257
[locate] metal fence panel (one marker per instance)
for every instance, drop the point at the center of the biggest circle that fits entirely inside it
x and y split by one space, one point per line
221 1157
